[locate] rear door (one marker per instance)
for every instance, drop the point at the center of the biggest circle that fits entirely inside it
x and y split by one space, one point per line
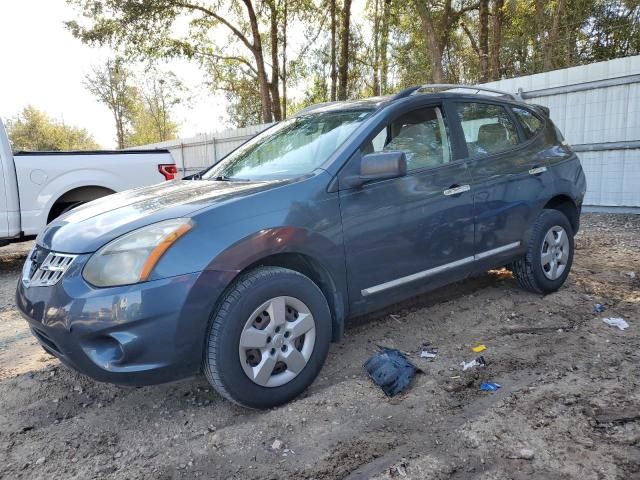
411 233
509 173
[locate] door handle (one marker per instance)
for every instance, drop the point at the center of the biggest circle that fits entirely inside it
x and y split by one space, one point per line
456 190
537 170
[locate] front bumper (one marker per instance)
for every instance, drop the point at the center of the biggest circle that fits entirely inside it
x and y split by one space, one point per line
142 334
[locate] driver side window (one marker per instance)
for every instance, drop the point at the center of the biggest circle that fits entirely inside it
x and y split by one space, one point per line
420 134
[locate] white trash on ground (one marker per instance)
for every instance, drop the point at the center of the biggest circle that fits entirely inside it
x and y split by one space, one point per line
616 322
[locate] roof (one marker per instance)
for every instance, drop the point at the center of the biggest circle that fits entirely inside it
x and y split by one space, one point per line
443 89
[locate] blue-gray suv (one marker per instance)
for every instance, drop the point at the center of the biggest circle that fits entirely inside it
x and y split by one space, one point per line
248 270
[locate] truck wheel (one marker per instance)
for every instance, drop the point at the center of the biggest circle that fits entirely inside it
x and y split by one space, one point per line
546 264
268 338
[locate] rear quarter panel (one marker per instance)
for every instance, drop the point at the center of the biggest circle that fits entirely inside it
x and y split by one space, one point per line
43 179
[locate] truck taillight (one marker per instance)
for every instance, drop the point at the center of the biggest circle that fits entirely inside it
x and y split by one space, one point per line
168 170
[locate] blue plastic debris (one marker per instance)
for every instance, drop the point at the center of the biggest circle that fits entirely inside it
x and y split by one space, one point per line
390 370
599 308
489 386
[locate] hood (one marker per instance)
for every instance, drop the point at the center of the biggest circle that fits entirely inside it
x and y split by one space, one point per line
90 226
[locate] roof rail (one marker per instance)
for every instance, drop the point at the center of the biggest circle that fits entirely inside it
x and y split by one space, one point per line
477 88
406 92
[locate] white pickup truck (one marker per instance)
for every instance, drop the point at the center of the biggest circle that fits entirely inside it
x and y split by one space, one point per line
36 187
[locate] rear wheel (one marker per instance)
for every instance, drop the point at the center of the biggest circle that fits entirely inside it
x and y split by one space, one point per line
268 339
546 264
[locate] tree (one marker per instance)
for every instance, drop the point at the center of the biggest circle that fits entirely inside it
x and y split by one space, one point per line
437 19
35 131
256 51
113 85
159 94
497 17
384 45
483 42
333 48
343 67
146 29
549 29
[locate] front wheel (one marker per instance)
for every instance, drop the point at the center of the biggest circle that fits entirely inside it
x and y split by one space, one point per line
546 264
268 338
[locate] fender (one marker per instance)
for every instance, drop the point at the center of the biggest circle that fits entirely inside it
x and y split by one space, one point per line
323 255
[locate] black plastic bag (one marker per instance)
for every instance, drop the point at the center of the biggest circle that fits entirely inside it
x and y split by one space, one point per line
390 370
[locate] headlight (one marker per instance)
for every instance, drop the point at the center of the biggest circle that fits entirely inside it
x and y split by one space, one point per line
131 257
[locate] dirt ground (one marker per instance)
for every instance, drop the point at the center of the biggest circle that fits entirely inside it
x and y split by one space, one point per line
569 406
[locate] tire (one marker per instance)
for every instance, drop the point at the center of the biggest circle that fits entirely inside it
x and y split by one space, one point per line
245 313
537 274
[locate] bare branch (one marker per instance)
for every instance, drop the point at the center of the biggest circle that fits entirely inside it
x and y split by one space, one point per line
236 31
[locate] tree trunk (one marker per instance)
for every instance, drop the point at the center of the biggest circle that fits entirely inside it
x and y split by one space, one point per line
384 41
343 68
483 41
435 43
376 45
257 51
274 86
552 37
334 72
541 27
496 41
284 60
120 131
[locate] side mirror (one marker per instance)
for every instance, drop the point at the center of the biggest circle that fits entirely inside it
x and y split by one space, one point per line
378 166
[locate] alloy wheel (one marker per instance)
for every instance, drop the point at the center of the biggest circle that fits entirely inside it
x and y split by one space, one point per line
554 254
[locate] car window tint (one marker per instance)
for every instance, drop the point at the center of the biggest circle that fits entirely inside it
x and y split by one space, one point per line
530 123
488 129
420 134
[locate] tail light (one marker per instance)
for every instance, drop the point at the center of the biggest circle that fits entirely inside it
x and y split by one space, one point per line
168 171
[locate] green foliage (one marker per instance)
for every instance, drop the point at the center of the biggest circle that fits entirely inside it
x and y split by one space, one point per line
33 130
153 103
112 84
392 44
141 109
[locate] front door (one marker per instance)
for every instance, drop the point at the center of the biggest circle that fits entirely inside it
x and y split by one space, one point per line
412 233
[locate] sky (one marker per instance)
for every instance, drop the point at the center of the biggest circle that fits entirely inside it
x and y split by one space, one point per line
44 65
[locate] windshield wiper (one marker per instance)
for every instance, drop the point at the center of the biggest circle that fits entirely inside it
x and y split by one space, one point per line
225 178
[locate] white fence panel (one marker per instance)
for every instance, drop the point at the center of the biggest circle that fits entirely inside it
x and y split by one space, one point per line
602 123
196 153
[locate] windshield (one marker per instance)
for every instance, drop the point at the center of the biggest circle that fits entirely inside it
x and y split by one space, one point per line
292 148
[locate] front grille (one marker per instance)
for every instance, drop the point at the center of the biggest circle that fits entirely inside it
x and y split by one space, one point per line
44 268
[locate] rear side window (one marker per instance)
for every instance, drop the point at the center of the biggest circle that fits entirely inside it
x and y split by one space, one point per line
420 134
488 129
530 123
